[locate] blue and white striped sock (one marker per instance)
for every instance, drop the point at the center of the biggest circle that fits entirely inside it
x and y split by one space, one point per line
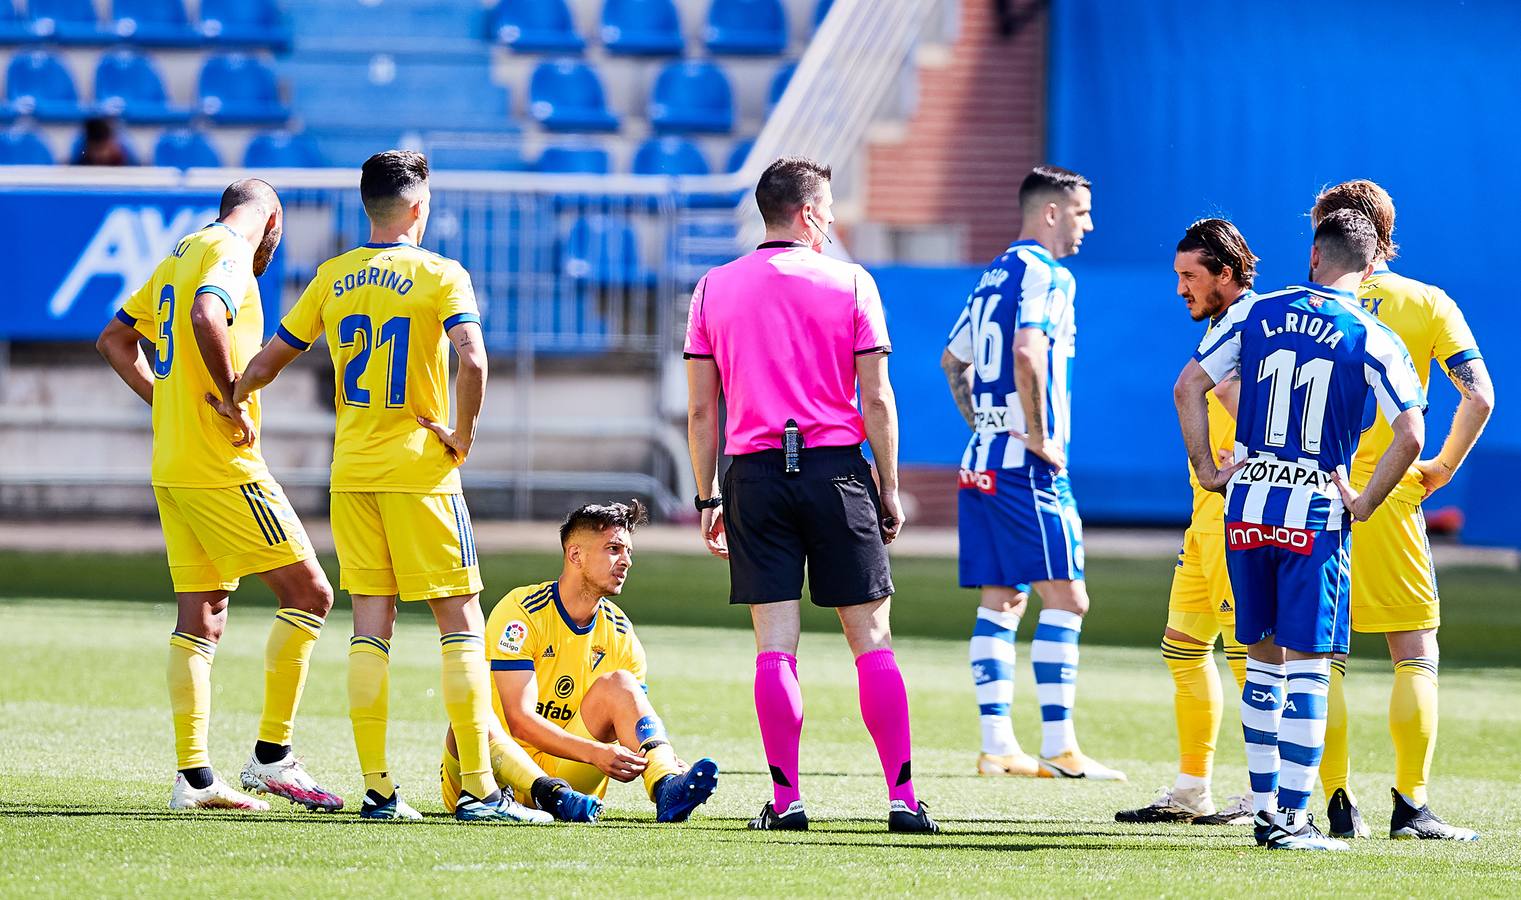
1054 656
992 654
1302 735
1261 712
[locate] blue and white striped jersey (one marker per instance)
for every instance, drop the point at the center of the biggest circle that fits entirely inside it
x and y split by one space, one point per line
1024 288
1309 357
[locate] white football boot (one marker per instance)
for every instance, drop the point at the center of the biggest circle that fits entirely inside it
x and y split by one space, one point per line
286 778
217 795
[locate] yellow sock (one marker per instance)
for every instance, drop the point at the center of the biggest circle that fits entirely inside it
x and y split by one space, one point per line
1197 703
1336 761
190 697
511 766
467 700
448 780
1235 657
369 708
286 656
659 761
1413 725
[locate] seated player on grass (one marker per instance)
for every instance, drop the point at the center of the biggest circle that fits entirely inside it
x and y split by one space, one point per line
568 678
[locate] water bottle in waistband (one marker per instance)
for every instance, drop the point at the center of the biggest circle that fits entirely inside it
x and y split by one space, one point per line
792 448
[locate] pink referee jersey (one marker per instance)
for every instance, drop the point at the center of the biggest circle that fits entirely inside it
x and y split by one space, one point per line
784 325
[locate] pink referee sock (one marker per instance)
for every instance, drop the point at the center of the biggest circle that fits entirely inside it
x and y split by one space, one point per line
884 707
779 706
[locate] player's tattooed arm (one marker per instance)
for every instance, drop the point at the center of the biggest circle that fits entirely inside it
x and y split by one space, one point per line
961 386
1031 346
1228 392
1471 378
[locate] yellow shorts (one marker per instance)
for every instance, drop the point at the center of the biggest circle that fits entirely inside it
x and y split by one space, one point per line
583 777
215 536
1201 604
1393 578
418 546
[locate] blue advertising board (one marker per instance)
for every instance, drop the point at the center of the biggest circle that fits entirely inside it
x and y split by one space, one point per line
75 256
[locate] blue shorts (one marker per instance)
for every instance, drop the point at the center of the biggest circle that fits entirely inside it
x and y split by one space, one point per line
1018 526
1292 585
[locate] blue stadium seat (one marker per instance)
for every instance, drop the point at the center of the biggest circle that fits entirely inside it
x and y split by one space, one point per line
21 147
603 251
669 156
13 28
779 83
67 21
237 89
536 26
127 85
820 11
185 148
37 84
739 154
692 96
7 115
567 96
154 23
642 28
281 149
494 157
747 27
581 160
247 23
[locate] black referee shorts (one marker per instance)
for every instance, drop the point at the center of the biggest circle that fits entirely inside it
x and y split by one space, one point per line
828 518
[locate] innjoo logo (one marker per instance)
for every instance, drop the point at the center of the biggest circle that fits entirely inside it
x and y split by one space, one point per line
1242 536
987 482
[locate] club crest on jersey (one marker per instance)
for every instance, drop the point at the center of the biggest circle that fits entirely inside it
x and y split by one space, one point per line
1243 536
596 658
987 482
512 637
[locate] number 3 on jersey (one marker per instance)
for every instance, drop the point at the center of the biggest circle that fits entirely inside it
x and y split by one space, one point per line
355 332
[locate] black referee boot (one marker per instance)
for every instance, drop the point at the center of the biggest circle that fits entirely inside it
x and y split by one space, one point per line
794 819
902 821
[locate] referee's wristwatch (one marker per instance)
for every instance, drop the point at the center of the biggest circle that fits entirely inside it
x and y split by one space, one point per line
712 502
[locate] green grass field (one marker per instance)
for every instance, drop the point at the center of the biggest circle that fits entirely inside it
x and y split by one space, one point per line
86 757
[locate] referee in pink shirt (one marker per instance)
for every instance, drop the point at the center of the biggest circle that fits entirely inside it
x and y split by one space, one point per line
786 334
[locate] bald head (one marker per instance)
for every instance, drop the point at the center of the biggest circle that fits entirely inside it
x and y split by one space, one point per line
250 193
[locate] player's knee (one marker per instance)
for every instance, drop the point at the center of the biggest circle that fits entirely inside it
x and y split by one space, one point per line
621 681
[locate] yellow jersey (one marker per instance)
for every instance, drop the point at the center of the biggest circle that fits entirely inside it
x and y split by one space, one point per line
1209 506
1432 328
192 445
386 310
529 630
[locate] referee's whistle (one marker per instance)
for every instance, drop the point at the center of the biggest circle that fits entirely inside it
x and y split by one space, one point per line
792 447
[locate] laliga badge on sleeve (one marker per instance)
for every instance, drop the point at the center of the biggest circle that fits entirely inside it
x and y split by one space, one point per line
512 637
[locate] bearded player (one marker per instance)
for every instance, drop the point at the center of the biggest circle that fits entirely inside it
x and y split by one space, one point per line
1394 588
568 679
1215 269
222 513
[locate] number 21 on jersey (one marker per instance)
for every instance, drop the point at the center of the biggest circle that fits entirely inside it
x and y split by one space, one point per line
358 335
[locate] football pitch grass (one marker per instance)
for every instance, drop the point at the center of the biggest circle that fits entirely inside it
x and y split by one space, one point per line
86 760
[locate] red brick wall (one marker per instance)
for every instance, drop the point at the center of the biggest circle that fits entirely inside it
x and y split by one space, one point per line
978 127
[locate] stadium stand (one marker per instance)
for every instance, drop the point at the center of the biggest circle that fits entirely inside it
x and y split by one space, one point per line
779 84
603 250
67 22
13 28
820 11
236 88
22 147
281 149
37 84
153 23
747 27
244 23
536 26
585 160
184 148
567 95
642 28
669 156
128 85
692 96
